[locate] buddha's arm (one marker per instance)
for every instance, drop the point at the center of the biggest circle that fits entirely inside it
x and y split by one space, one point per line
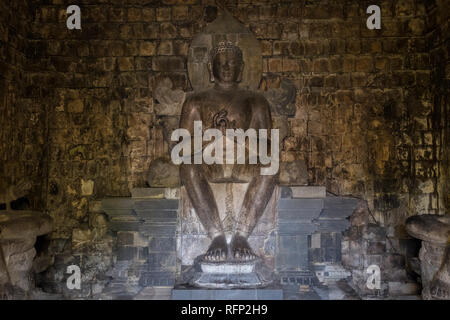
261 119
190 113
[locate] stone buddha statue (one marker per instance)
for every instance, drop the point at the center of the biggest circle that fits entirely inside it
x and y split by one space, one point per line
227 106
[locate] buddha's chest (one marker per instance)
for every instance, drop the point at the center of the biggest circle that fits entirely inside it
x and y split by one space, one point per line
227 112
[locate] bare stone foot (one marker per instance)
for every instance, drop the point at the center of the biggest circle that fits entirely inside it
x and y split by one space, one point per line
217 251
240 249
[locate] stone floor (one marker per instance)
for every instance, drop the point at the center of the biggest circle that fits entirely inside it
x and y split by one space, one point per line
338 291
154 293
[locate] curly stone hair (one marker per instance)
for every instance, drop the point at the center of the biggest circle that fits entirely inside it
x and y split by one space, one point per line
223 46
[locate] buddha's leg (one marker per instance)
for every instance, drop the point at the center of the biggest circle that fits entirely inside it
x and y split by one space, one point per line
257 196
202 198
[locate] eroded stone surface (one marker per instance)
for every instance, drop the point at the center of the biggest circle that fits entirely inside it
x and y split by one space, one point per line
169 100
163 173
281 94
18 232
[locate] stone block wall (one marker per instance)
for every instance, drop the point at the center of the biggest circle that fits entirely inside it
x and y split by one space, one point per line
440 65
22 119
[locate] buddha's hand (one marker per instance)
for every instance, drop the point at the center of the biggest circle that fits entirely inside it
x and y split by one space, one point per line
220 119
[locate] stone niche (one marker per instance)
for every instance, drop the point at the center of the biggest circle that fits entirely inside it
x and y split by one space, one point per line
158 232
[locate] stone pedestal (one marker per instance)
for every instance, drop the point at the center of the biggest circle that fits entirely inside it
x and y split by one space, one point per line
295 224
145 225
228 274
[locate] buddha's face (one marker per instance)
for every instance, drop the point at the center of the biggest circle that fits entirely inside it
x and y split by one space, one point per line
227 67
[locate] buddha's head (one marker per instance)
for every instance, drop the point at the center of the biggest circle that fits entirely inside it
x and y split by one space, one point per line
226 64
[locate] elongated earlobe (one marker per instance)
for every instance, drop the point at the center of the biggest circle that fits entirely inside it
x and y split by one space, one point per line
241 71
211 75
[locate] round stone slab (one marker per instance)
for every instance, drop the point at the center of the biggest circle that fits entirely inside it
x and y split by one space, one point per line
228 267
229 274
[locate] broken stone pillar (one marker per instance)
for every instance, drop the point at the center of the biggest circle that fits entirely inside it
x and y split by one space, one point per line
18 232
434 256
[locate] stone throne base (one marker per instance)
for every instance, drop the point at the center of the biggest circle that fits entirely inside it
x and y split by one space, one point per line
228 274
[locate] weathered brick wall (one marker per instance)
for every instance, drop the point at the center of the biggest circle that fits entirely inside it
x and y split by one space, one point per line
22 120
439 39
90 86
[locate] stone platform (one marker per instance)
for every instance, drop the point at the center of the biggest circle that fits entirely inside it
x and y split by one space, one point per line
159 238
228 274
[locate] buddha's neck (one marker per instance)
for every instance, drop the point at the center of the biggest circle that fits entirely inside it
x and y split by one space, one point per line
226 86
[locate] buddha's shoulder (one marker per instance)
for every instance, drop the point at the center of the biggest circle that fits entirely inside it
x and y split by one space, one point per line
199 96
